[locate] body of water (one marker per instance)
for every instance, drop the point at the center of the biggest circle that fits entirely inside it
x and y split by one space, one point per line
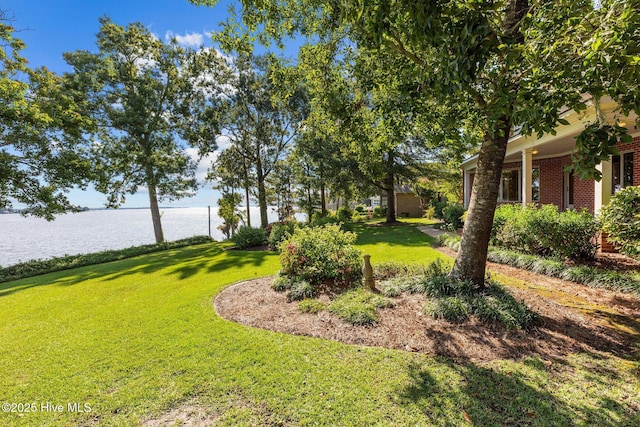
26 238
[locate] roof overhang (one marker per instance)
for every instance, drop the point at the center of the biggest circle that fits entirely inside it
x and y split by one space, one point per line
563 142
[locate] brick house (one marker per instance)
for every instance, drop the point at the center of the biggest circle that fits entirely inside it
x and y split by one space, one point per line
533 170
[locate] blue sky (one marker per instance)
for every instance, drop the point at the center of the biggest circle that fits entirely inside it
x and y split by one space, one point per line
50 28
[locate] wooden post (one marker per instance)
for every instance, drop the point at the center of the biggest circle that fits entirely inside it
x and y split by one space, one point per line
367 272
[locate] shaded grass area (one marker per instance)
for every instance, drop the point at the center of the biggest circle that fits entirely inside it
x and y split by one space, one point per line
138 338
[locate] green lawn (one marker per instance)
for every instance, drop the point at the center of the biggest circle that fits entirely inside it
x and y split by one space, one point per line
138 338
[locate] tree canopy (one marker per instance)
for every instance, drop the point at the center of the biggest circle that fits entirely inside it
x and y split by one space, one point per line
148 101
41 154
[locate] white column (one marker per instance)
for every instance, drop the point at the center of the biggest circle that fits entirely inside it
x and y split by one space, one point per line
602 190
467 188
527 177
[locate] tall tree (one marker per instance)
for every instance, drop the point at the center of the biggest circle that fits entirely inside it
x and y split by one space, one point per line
263 121
147 99
230 171
518 61
41 154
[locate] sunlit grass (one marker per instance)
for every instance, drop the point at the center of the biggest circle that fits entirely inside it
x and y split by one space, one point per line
139 338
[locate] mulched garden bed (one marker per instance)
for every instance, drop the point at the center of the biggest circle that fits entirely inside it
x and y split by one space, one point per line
561 330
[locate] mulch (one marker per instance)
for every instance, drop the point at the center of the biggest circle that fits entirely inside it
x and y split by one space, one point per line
561 330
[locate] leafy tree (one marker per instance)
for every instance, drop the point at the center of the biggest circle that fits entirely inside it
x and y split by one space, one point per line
230 171
262 121
518 62
228 211
147 99
41 155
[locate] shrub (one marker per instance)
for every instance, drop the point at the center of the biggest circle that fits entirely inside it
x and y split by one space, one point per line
452 214
280 231
321 254
429 213
358 306
545 231
380 211
360 209
438 206
300 290
621 221
344 214
317 220
311 306
281 283
247 237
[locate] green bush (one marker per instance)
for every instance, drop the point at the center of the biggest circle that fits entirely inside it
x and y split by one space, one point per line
344 214
300 290
438 206
452 215
358 306
360 209
429 213
311 306
545 231
247 237
621 221
280 231
380 211
320 255
317 220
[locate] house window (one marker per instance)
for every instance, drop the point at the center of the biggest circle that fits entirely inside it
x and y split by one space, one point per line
510 186
622 171
535 184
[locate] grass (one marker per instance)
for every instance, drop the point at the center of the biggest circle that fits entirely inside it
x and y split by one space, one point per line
139 338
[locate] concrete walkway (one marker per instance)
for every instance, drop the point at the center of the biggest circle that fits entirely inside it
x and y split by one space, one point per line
430 231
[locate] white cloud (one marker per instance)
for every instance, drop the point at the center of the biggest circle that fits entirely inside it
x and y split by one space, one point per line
189 40
203 163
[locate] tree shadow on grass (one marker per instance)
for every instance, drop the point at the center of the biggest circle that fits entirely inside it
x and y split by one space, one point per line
183 263
513 396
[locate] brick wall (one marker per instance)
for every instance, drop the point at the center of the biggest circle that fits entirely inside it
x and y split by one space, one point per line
635 146
408 204
552 178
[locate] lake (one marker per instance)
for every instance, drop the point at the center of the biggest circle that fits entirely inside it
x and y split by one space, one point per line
26 238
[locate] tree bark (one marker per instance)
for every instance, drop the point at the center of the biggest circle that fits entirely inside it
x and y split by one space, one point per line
262 195
470 263
153 205
246 191
391 200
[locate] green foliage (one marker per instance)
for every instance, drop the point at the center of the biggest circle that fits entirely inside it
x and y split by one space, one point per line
41 152
280 231
379 211
147 104
301 289
281 283
344 214
358 306
452 215
37 267
319 220
621 221
545 231
585 275
247 237
228 211
321 254
311 306
439 206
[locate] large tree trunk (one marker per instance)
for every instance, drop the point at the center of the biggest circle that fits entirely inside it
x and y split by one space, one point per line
153 205
262 195
391 199
470 263
246 191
